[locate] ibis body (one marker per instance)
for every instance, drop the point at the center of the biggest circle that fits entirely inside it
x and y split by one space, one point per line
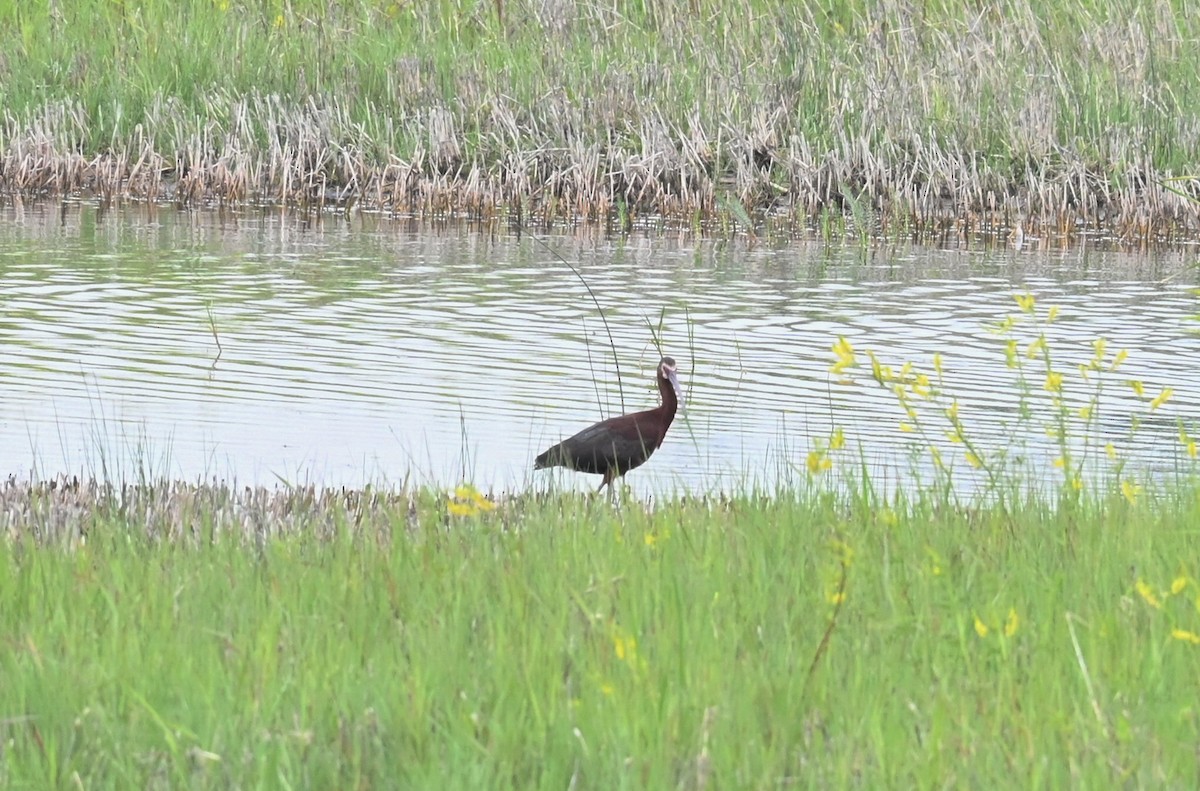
615 446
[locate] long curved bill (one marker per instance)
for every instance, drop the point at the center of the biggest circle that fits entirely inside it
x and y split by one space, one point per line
674 380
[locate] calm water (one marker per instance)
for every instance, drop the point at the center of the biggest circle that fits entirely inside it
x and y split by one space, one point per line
370 350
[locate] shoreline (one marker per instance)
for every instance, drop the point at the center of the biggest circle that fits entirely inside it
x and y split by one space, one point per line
745 200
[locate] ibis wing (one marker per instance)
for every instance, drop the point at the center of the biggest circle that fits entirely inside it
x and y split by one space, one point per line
621 443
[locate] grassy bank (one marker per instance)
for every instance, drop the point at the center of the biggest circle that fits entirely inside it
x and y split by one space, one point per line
1042 115
308 640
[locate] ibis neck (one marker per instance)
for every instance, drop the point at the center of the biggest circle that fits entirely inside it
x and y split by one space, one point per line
670 402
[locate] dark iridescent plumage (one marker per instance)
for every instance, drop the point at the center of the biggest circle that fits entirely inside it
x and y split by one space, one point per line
615 446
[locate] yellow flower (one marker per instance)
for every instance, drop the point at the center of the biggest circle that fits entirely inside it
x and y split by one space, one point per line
907 428
1178 584
1186 636
1084 412
607 688
1077 483
845 355
1137 387
1012 622
624 647
818 462
468 501
876 368
1189 444
1054 381
937 364
836 597
1053 314
1025 302
952 411
981 628
650 539
974 460
461 509
1122 355
1010 354
837 440
1111 451
1147 594
1060 462
1036 348
1161 398
1130 490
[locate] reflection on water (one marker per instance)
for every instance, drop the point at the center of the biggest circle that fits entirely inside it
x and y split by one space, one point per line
260 348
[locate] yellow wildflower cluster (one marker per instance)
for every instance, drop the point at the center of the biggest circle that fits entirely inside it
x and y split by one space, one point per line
625 650
625 647
1012 622
1161 600
920 398
819 457
844 353
466 500
1186 440
1131 490
653 538
911 388
1097 362
1139 389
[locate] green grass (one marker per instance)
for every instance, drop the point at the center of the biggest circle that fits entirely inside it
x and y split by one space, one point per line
1040 629
561 640
1058 110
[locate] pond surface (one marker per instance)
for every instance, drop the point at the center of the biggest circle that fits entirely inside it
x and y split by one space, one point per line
257 347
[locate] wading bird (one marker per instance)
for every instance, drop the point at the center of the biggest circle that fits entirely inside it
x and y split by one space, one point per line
615 446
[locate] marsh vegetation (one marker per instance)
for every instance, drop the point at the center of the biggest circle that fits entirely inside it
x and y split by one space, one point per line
1045 117
1018 606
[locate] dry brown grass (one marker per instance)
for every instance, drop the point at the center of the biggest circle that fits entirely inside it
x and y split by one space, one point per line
313 161
64 510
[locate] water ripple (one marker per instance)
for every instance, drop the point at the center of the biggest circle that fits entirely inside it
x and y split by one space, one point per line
368 353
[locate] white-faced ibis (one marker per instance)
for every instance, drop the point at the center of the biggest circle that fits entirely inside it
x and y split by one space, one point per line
615 446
